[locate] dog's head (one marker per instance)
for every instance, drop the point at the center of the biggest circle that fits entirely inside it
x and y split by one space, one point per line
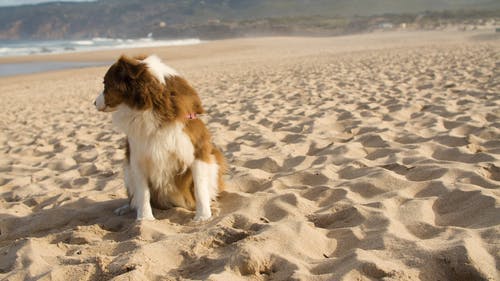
145 83
127 82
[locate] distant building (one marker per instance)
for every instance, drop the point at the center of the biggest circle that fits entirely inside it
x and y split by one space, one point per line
213 21
386 25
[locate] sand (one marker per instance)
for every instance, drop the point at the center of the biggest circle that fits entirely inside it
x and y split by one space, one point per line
366 157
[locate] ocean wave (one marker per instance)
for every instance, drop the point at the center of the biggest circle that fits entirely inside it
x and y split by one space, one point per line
20 48
84 42
101 39
144 43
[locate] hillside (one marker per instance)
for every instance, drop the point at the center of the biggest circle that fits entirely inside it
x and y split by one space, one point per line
209 18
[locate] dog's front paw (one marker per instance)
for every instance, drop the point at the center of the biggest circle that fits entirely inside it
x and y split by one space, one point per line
202 217
145 218
122 210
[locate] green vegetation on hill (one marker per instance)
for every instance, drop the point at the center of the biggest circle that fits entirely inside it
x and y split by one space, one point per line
227 18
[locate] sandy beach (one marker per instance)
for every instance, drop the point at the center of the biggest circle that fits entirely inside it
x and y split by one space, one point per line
364 157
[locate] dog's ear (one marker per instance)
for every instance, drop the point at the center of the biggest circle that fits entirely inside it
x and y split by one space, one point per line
130 67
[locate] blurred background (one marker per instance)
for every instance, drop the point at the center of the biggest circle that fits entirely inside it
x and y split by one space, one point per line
80 25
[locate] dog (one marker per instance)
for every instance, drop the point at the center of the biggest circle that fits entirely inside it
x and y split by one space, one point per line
170 157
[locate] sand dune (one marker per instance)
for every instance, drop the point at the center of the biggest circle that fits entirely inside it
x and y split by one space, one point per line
368 157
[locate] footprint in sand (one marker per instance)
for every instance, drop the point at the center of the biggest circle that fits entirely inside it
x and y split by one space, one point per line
266 164
471 209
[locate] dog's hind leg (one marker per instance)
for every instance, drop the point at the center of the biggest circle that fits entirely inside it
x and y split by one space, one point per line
205 178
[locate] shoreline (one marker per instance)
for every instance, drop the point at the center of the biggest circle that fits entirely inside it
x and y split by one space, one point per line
26 68
181 52
21 48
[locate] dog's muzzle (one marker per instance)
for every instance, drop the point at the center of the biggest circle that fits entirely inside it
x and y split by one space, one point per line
100 103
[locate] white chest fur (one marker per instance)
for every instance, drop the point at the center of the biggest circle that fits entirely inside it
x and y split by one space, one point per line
160 153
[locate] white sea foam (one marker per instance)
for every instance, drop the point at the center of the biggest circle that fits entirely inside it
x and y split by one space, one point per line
84 42
20 48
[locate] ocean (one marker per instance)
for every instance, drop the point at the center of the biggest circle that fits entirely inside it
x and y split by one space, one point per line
10 69
23 48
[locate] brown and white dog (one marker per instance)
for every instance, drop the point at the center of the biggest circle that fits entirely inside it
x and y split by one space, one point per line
170 159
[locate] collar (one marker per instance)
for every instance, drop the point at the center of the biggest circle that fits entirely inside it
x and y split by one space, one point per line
191 116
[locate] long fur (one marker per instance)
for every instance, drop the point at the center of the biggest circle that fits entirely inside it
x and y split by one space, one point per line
171 160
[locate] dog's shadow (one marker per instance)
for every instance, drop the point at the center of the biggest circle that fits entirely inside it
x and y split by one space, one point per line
43 222
83 212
